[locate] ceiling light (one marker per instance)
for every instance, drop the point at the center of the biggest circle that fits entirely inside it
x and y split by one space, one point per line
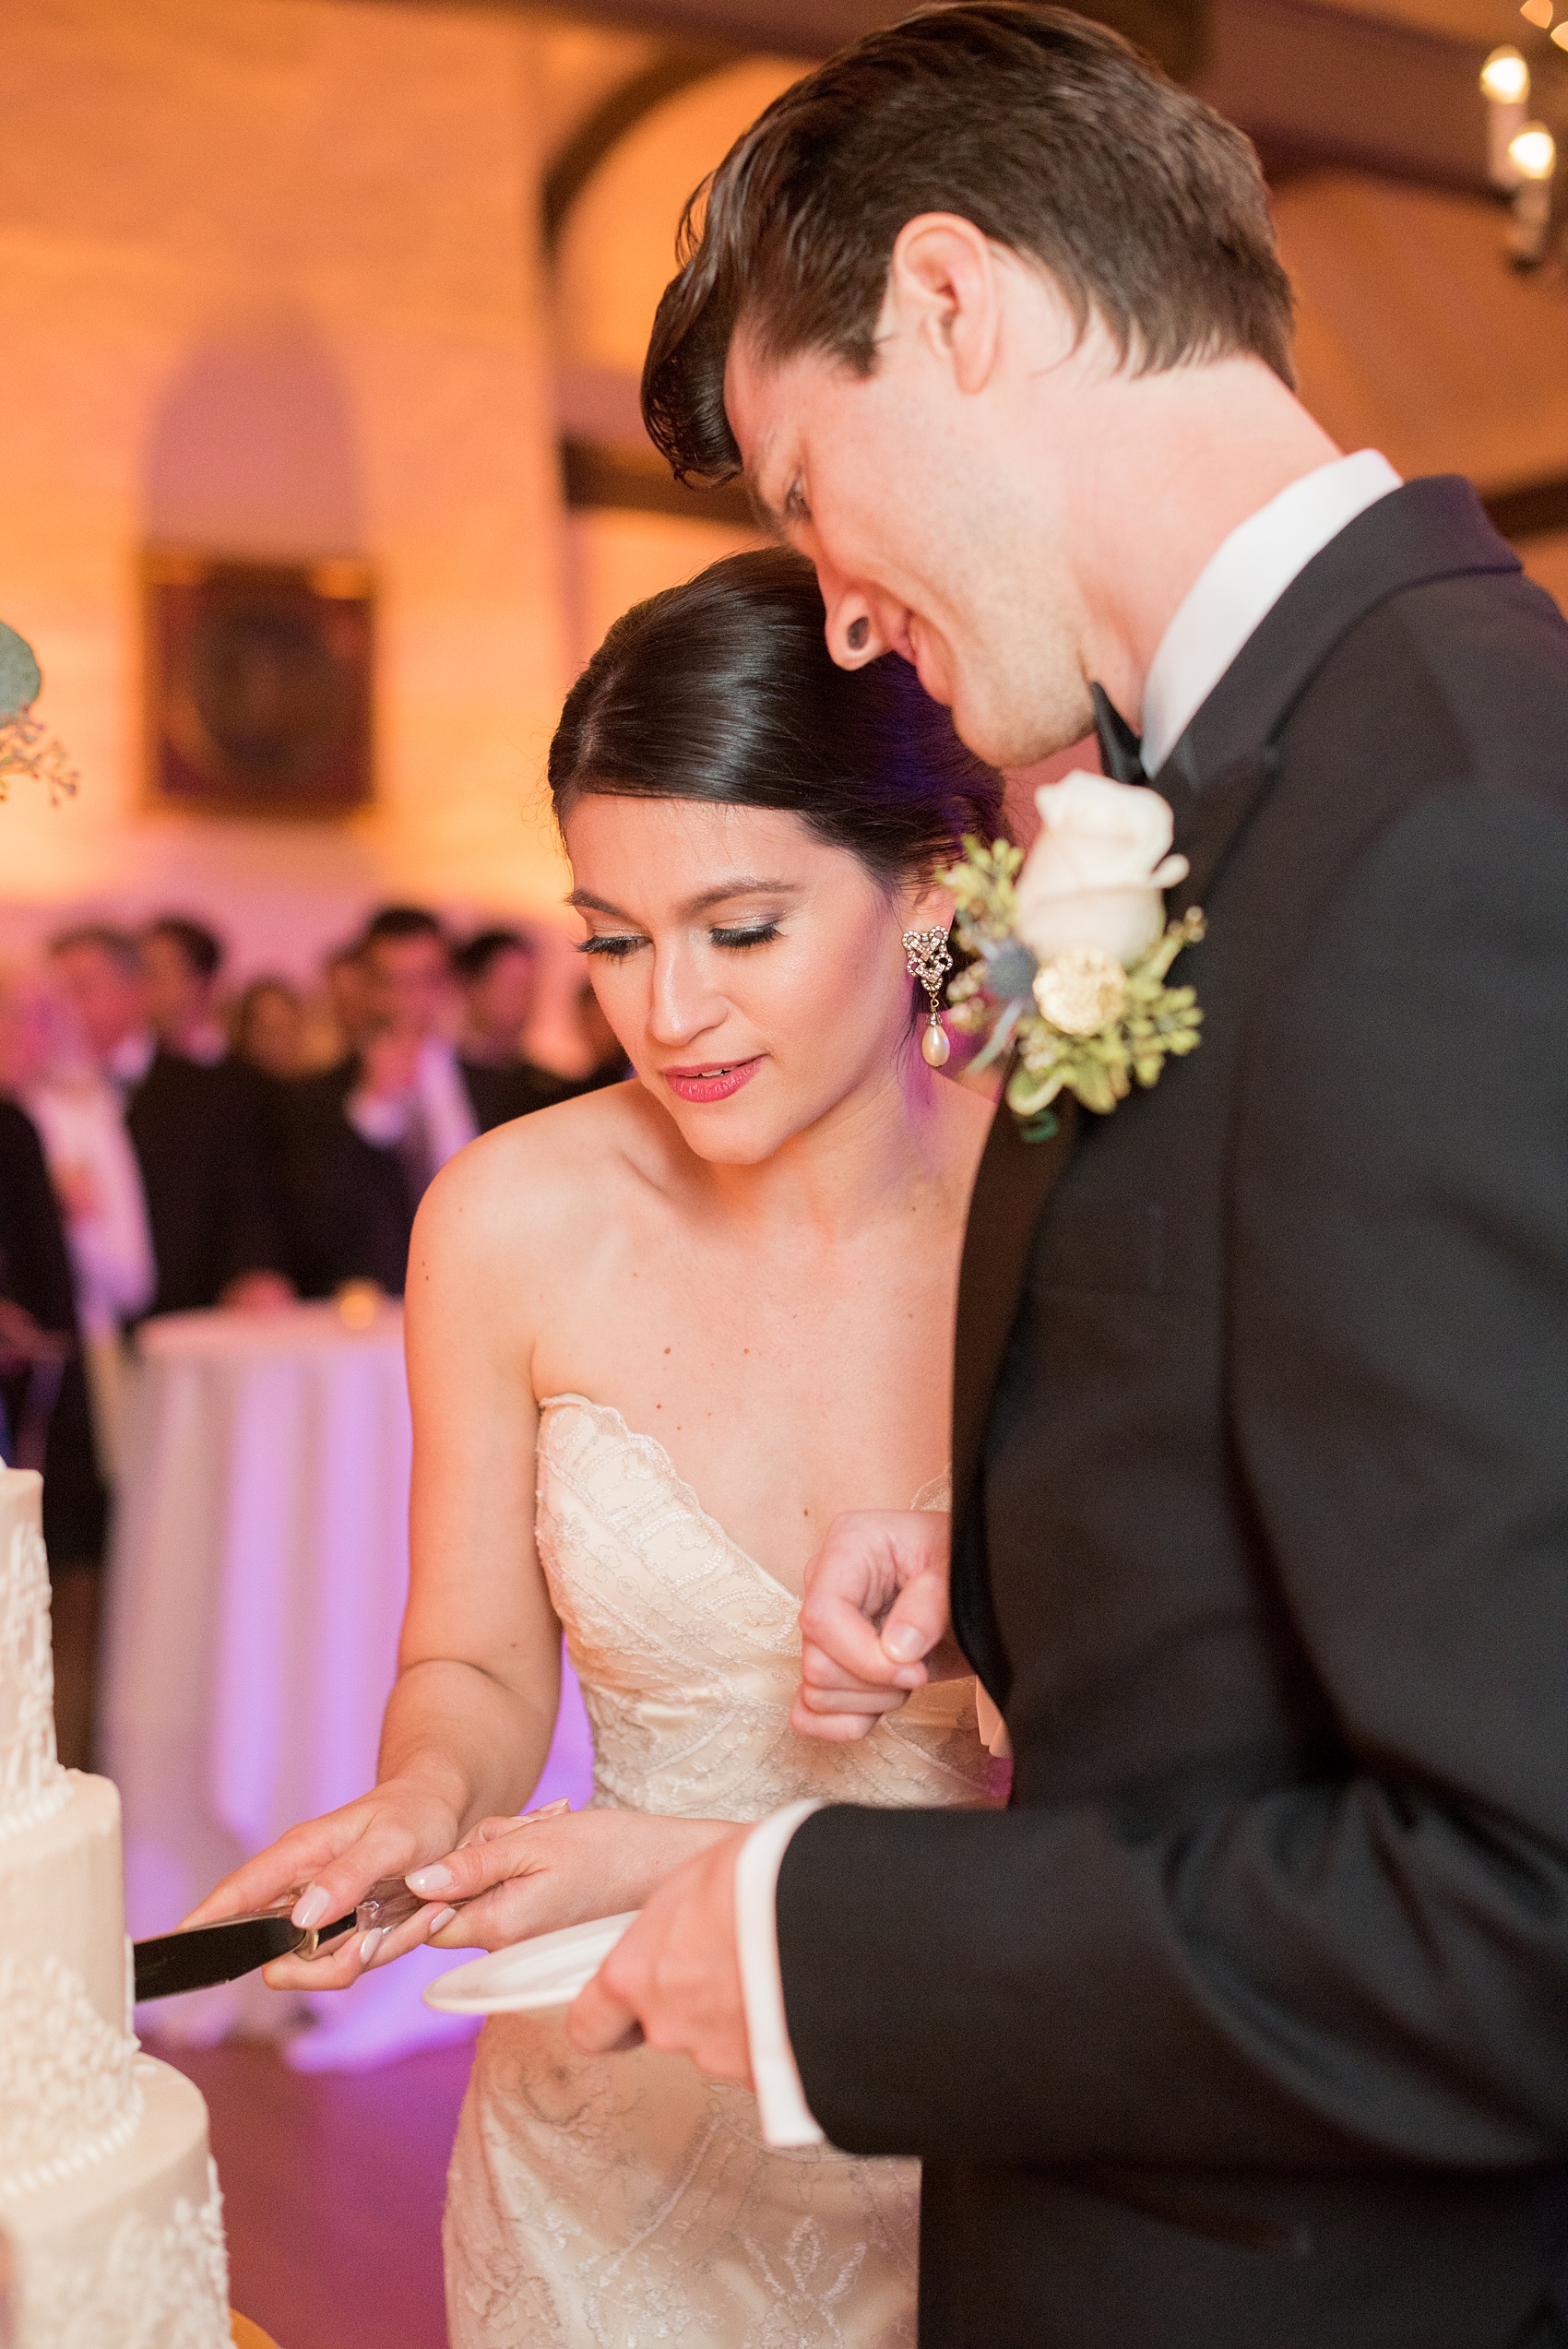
1505 78
1534 151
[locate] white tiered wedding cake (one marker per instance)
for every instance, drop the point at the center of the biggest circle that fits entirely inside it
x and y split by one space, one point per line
108 2195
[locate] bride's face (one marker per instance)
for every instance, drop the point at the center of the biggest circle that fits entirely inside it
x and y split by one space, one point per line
752 973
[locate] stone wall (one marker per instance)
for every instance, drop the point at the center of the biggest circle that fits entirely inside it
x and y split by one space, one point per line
271 285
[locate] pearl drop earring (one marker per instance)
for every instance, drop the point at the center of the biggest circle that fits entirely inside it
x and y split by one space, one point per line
928 958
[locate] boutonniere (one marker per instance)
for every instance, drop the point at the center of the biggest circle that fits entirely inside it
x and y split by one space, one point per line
1072 948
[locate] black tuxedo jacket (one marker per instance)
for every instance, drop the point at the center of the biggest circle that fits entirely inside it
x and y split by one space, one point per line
1246 2025
207 1172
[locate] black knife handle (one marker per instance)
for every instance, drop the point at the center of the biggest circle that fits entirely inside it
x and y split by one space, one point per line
204 1955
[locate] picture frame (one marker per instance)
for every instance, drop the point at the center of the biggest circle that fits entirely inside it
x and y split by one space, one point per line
259 683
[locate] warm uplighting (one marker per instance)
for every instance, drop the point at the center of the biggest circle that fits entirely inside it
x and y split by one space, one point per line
359 1304
1534 152
1505 78
1538 13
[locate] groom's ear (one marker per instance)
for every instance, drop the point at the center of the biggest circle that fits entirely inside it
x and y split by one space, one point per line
944 287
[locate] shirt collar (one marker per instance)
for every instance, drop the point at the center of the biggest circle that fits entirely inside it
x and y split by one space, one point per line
1243 578
131 1059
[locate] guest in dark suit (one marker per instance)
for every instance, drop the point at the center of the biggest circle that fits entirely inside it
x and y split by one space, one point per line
181 962
1246 2025
217 1235
366 1137
496 970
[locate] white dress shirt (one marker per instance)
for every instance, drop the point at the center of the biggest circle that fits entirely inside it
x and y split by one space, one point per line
81 1121
1244 578
440 1098
1242 581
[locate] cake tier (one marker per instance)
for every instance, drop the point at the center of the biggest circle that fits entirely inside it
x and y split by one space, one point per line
32 1784
130 2250
68 2093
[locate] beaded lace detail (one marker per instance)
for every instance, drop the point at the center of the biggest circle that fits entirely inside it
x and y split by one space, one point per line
607 2201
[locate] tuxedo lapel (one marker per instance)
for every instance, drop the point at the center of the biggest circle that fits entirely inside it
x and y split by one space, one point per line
1015 1180
1427 531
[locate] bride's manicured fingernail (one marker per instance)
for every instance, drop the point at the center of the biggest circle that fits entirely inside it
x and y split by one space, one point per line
370 1943
442 1917
903 1643
310 1908
425 1880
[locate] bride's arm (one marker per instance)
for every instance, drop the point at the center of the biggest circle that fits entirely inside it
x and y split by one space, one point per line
469 1720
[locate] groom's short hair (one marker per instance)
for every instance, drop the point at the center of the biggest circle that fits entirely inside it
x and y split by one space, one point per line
1051 134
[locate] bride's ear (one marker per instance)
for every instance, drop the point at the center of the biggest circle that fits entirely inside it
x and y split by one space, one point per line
927 906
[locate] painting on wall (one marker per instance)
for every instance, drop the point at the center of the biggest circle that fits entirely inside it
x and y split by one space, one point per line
258 684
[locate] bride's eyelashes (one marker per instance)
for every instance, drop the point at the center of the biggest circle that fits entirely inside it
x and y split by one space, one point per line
618 945
761 933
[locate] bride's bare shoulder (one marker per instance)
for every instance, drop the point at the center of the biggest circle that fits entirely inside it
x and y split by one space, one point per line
545 1178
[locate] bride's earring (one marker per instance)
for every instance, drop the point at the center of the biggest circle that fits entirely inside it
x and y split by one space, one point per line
929 960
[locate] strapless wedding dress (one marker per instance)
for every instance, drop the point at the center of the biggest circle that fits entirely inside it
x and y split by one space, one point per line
623 2202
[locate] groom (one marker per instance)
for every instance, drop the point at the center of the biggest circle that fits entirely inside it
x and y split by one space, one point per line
1246 2025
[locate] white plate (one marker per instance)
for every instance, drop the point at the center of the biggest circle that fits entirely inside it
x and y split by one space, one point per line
531 1977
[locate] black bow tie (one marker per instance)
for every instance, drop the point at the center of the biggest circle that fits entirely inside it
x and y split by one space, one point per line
1121 752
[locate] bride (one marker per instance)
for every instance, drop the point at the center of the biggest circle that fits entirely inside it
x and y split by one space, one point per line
659 1337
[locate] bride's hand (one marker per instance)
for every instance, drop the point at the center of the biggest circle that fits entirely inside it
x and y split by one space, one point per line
324 1868
510 1879
874 1620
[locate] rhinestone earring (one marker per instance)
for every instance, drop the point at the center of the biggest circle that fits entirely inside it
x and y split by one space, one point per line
929 960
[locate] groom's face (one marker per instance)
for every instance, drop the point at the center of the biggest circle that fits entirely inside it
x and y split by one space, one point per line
930 519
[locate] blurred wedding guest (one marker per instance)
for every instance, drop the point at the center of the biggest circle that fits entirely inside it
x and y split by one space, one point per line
496 971
348 996
92 1163
44 1416
181 962
268 1029
367 1137
216 1229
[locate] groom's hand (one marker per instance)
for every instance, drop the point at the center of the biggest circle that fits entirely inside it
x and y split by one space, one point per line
674 1978
874 1613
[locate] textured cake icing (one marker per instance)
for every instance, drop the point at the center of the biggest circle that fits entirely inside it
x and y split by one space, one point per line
108 2194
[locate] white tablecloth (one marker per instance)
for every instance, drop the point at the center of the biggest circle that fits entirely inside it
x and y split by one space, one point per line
257 1576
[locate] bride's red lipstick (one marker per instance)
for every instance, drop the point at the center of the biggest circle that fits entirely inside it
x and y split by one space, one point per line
711 1081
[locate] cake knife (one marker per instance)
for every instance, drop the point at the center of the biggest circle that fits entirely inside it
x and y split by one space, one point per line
202 1954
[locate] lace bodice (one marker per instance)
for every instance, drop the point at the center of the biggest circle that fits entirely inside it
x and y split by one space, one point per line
688 1651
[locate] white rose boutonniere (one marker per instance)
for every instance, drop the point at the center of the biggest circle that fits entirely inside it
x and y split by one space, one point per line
1073 949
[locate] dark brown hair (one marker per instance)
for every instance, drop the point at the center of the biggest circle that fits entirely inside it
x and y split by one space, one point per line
1051 134
724 689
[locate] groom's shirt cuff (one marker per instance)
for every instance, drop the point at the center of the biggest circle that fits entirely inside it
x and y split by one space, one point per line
781 2104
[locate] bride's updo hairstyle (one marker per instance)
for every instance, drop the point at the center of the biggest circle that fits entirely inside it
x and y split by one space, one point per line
724 689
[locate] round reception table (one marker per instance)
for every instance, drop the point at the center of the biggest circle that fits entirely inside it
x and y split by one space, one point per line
257 1576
